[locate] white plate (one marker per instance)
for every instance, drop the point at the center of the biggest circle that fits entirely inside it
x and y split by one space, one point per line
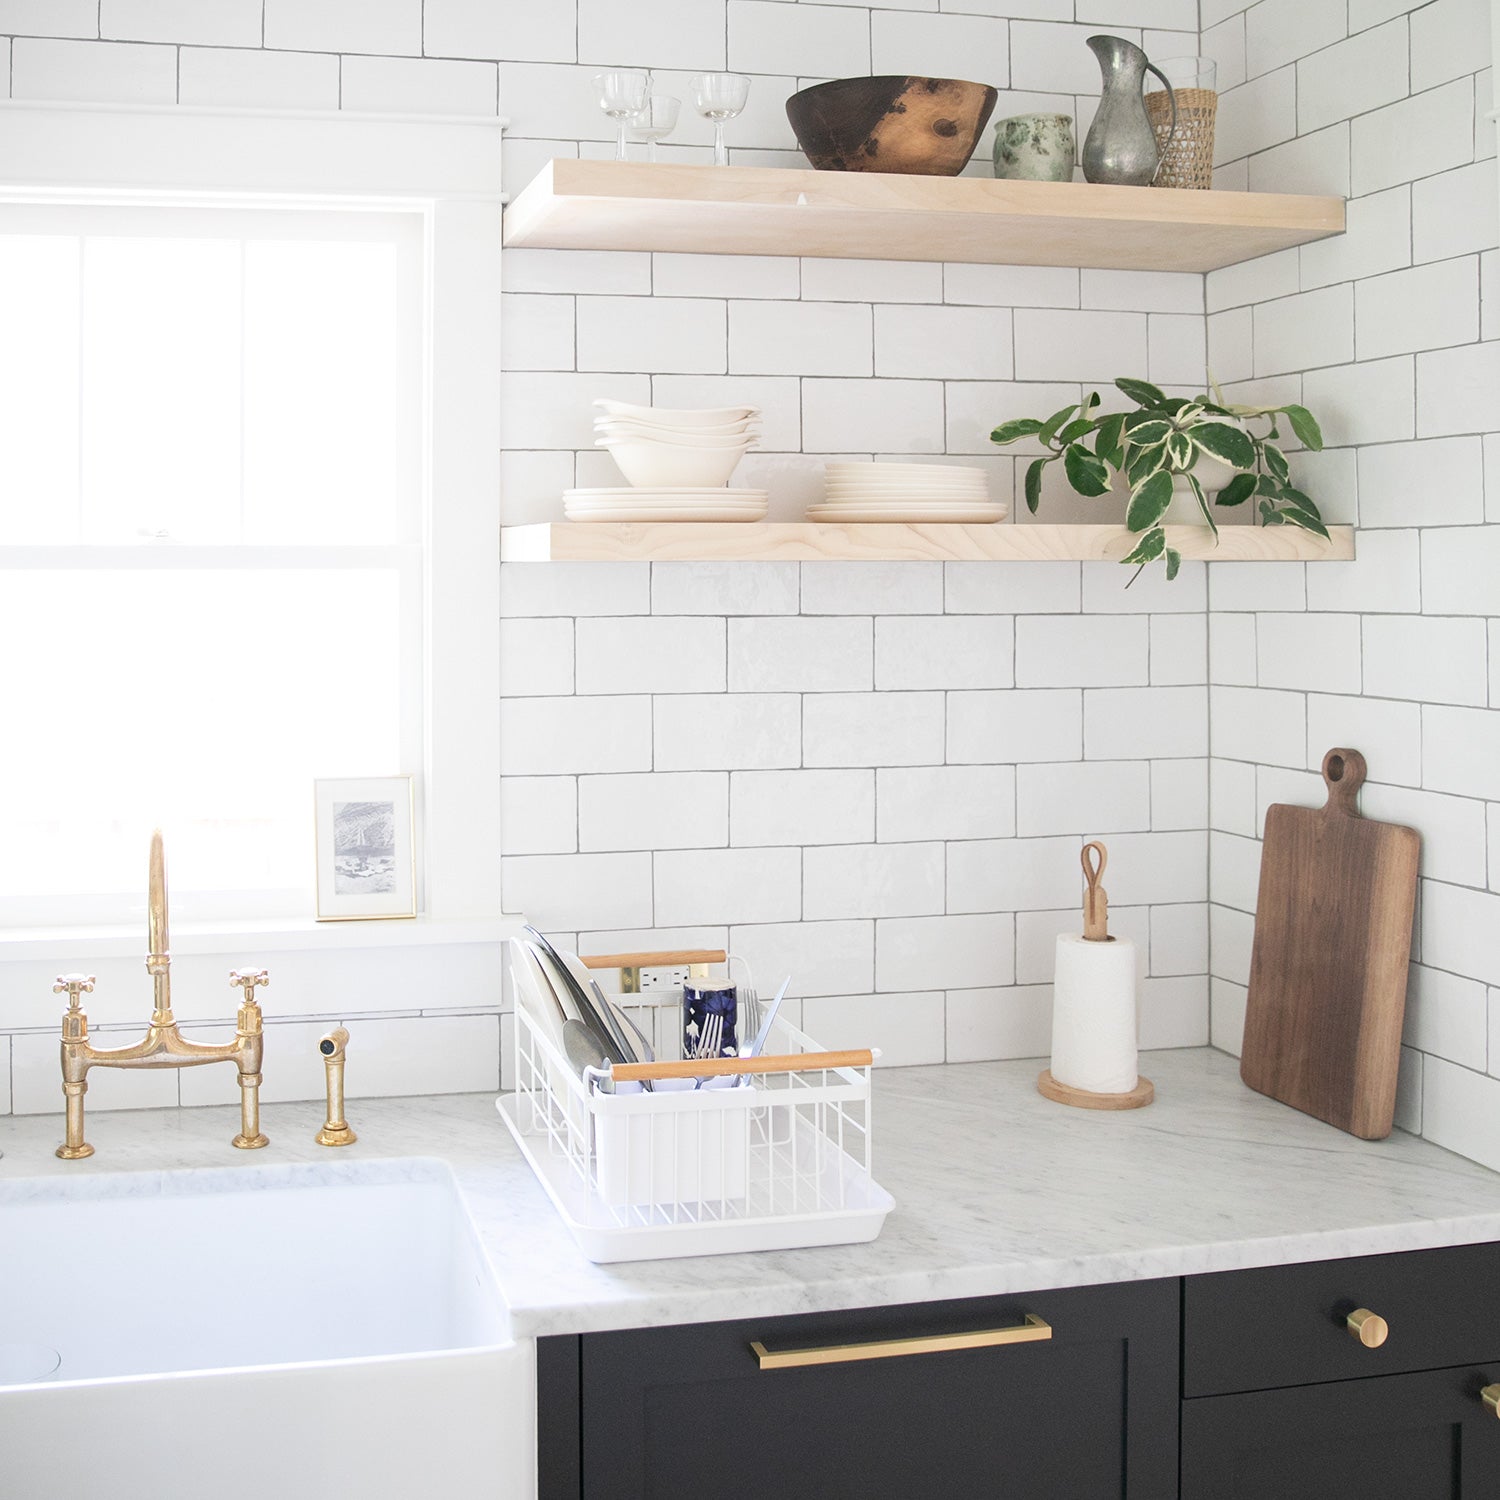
665 493
712 416
659 513
865 501
900 471
971 515
902 491
730 507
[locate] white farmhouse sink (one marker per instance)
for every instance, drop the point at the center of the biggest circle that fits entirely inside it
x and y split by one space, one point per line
304 1330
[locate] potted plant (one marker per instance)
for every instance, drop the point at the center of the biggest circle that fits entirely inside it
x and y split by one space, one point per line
1164 442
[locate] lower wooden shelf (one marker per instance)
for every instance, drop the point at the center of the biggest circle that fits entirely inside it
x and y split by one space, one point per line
806 541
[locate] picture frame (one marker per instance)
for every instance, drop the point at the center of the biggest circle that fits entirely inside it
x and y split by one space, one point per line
366 848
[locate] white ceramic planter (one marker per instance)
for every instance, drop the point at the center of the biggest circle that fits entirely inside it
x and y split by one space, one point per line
1213 475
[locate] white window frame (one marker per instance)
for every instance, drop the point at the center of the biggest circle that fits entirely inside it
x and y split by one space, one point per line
448 172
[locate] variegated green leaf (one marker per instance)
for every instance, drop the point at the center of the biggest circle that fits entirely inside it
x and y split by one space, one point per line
1149 501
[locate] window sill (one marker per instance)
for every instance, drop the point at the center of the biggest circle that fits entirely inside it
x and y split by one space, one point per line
274 934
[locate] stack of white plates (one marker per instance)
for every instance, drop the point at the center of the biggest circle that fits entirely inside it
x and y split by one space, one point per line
668 504
906 492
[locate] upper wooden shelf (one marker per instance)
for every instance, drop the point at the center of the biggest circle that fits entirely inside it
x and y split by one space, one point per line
610 205
806 541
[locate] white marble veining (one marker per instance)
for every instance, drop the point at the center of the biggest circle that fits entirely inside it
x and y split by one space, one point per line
997 1191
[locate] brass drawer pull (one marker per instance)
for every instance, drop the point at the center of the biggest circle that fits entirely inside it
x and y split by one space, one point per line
1028 1332
1369 1328
1490 1395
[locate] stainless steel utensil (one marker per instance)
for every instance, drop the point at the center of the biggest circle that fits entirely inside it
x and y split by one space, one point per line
583 1049
770 1020
633 1033
602 1023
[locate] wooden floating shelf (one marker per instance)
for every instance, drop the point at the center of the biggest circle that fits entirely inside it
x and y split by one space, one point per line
609 205
806 541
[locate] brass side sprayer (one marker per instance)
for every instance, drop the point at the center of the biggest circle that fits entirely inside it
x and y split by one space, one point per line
335 1131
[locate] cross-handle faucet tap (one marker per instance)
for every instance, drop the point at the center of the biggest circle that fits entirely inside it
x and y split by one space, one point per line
163 1045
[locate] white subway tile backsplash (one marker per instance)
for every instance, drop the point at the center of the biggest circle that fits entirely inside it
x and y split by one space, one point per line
1082 651
336 26
823 958
1280 31
1231 649
730 732
419 85
1411 138
1456 389
1179 940
1158 868
536 658
1360 74
683 335
1371 402
599 272
1434 482
1226 1015
95 72
872 729
564 892
1298 333
1027 588
1054 344
929 342
1053 59
1461 1110
552 409
908 1029
653 810
872 416
725 276
1232 797
666 34
1252 281
837 280
939 46
814 41
1176 349
1041 724
37 1085
799 338
1317 652
872 588
642 654
975 408
1179 650
1256 115
1461 570
537 331
1087 797
1452 829
225 23
1461 753
1388 732
1378 237
944 802
944 651
1011 286
998 1023
802 807
1234 871
800 655
1257 724
538 815
1445 38
1454 213
1179 794
482 28
78 18
1458 926
872 880
1013 874
1426 659
574 589
728 885
242 78
1316 163
957 952
555 736
1427 307
1142 291
1231 935
1145 723
704 588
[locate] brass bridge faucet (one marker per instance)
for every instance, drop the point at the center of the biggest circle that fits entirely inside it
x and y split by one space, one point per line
163 1045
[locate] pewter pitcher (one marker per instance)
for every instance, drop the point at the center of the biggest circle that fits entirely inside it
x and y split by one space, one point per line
1121 145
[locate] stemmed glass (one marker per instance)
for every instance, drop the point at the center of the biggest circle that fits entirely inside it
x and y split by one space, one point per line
656 121
622 94
719 97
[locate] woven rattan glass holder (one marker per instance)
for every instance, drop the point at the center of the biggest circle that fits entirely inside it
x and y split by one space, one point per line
1188 161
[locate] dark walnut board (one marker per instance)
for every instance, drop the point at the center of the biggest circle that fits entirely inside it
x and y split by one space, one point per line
1332 944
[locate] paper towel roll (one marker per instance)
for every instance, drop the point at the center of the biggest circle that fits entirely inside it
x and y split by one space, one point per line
1093 1015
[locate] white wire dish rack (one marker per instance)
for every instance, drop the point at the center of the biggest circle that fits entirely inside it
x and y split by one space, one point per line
773 1153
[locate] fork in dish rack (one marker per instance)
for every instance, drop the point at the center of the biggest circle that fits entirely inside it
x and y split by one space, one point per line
711 1037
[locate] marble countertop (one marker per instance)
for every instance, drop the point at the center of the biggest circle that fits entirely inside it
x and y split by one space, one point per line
997 1191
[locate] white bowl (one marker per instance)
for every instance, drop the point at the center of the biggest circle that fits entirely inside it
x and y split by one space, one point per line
709 417
624 432
660 429
662 464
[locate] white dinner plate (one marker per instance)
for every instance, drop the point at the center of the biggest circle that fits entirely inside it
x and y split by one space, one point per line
902 491
657 513
902 469
665 493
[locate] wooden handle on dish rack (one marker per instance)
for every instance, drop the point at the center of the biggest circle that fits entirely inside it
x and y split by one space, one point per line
722 1067
670 959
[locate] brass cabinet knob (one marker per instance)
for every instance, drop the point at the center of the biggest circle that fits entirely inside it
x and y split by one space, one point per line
1369 1328
1490 1395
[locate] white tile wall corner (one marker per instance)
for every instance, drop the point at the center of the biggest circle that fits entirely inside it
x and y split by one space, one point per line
1391 653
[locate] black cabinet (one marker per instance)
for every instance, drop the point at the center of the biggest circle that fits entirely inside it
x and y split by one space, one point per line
1395 1437
929 1400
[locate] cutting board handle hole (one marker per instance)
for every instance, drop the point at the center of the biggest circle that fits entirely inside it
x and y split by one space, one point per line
1335 767
1343 775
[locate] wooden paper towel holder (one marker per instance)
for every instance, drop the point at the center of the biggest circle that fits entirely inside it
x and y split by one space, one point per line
1095 930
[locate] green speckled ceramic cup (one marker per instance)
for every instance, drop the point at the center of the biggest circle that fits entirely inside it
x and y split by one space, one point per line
1035 148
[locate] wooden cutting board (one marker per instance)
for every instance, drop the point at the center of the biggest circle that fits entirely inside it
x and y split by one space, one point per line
1332 943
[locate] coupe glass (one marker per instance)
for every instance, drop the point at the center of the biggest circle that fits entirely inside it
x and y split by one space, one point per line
719 97
656 121
622 94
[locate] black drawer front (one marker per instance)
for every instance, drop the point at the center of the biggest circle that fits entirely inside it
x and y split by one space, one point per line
1285 1325
687 1413
1427 1436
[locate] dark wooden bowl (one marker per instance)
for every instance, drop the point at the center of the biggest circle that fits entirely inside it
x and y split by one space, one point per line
928 126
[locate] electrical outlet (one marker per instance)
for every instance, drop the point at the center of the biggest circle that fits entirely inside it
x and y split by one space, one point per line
664 979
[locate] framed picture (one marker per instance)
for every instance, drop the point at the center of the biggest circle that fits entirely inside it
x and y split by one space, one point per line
366 866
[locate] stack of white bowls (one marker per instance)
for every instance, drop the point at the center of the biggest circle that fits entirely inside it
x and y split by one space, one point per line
657 448
907 492
678 464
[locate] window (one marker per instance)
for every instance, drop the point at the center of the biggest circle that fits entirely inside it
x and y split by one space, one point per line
212 428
